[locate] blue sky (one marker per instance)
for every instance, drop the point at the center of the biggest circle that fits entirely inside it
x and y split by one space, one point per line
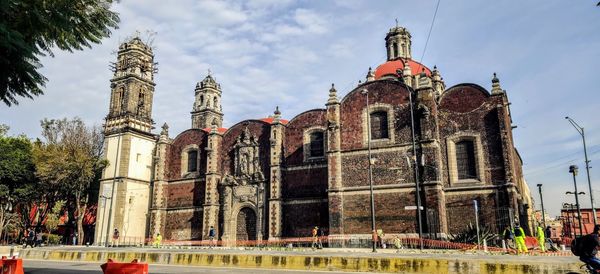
281 52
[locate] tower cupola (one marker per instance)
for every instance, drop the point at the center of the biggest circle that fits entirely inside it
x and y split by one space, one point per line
207 111
397 42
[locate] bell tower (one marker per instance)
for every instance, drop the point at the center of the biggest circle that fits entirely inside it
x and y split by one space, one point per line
207 111
397 42
128 146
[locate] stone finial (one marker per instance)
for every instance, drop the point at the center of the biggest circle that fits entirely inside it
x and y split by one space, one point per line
496 89
332 95
165 130
370 75
276 115
436 74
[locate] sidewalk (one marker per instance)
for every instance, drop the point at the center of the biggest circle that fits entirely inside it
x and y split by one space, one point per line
361 260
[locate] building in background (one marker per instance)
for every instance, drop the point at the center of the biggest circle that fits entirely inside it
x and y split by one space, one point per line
272 178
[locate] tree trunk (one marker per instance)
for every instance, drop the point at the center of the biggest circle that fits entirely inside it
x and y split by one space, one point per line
81 208
2 220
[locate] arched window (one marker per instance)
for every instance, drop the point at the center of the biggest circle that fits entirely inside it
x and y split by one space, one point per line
379 125
141 98
395 49
215 103
201 100
192 161
317 149
465 160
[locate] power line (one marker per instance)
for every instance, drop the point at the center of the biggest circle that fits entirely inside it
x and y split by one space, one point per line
430 29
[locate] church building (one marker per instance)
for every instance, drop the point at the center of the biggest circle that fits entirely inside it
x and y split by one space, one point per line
273 178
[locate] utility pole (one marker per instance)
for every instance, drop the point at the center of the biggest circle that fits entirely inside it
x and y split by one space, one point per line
581 132
542 201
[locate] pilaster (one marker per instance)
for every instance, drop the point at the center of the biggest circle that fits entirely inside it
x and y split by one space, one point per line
211 198
334 163
275 202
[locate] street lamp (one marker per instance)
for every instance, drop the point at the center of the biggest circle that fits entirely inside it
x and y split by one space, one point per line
573 169
368 117
416 168
587 164
542 201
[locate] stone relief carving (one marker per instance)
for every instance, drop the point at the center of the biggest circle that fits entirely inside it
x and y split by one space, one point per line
245 187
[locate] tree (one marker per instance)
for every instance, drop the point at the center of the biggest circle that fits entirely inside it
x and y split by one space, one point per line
16 175
70 160
29 29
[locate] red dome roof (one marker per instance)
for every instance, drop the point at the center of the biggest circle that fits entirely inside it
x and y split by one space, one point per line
390 68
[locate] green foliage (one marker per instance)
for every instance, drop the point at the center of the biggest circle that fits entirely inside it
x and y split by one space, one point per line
69 161
469 235
29 29
52 239
53 218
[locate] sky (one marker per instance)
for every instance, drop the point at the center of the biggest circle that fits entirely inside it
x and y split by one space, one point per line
268 53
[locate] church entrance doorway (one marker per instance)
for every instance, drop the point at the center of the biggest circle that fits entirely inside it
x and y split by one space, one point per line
246 225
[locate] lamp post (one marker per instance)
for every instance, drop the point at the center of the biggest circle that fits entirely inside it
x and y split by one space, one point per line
573 169
373 232
416 169
581 132
542 201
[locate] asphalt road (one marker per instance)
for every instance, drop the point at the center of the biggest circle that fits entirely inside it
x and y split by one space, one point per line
56 267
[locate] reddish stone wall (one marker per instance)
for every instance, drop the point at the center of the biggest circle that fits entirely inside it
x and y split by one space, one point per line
389 211
305 183
186 194
188 137
461 212
294 134
183 225
389 168
299 219
352 106
482 119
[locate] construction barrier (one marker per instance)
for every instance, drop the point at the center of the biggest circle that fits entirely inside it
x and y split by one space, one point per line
134 267
12 266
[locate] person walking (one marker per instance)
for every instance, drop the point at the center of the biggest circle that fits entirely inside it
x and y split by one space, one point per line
541 238
508 237
315 237
380 238
520 239
38 239
211 236
320 237
157 240
115 238
397 244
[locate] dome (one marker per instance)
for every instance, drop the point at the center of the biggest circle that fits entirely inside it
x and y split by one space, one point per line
390 68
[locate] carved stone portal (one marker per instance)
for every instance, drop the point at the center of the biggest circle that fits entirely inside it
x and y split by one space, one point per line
244 193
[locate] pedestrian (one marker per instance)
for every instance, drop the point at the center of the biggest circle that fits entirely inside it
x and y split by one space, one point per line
74 238
541 238
315 237
397 244
29 238
508 237
320 237
211 236
157 240
39 239
520 239
115 238
587 248
380 238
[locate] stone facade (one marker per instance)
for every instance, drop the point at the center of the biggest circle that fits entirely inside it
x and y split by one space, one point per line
271 178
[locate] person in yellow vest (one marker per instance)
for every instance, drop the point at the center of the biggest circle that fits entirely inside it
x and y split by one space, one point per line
541 238
157 240
520 239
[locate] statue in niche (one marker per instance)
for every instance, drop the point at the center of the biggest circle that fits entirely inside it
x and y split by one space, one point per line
247 160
